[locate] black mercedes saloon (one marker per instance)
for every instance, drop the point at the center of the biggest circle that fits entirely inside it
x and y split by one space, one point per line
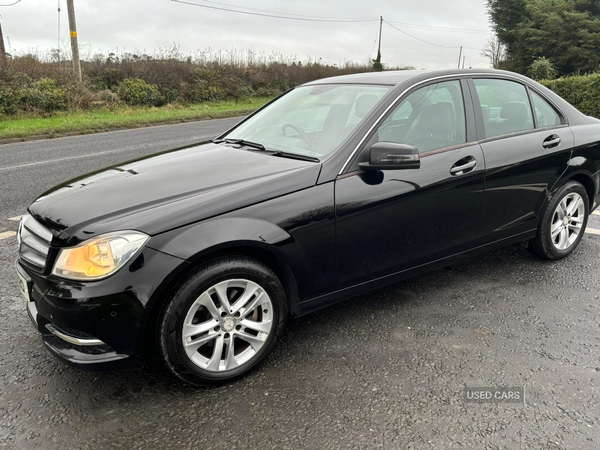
337 187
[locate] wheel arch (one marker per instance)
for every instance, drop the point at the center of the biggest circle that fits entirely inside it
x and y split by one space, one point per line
587 182
586 178
264 253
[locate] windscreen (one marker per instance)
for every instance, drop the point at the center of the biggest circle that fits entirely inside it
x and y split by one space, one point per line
311 120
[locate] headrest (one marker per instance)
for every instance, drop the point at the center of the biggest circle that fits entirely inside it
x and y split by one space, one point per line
485 109
364 104
514 111
437 119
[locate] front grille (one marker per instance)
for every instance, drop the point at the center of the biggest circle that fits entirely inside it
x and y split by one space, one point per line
34 242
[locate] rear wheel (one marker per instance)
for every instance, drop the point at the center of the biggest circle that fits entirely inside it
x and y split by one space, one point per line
563 222
223 320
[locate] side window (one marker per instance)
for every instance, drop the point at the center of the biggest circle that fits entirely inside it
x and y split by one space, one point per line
546 115
430 118
505 106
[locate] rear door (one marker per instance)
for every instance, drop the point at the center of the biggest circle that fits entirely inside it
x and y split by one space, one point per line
526 143
392 220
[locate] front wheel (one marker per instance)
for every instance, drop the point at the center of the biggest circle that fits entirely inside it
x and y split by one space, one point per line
563 222
223 320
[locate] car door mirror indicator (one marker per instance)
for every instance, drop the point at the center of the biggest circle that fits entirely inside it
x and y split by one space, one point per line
392 156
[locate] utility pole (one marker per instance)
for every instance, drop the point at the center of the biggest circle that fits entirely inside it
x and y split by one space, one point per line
74 44
464 57
3 61
377 62
58 40
380 30
459 56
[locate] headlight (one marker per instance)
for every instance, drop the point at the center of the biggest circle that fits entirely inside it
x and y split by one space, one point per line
99 257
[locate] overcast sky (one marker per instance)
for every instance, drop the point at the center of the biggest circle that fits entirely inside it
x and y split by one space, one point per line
141 26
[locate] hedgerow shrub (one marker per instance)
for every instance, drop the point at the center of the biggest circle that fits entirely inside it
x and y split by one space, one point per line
34 83
106 78
583 92
136 92
10 98
542 69
44 95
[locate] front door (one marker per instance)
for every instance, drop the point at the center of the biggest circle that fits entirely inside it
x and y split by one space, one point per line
392 220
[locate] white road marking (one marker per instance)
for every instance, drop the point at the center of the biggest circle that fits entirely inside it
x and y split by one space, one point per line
592 231
596 213
68 158
15 219
7 234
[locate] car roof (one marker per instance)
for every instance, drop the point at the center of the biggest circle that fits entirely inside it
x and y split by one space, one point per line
397 77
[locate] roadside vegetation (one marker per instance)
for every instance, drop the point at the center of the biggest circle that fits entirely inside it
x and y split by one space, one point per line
40 95
583 92
107 119
564 32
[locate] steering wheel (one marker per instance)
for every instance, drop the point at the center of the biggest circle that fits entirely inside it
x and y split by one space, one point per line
300 131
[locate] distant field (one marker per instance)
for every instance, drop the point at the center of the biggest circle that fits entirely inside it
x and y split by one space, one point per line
91 121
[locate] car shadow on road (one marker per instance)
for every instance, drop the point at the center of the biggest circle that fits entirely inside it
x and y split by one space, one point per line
309 336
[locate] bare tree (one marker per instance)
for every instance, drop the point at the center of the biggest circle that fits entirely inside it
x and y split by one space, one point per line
495 51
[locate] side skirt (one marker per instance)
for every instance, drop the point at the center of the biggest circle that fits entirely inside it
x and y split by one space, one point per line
316 303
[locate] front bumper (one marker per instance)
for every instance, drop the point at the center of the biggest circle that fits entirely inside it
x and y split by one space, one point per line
97 325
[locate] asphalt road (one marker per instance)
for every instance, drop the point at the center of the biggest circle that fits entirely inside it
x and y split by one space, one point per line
29 168
383 370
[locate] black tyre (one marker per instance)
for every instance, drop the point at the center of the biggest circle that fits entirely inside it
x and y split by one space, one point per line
224 319
563 222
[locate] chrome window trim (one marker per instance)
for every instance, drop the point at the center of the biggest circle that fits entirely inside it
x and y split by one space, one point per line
443 77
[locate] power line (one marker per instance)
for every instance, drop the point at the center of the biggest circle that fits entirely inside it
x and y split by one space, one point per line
374 43
277 12
427 42
276 15
418 39
433 27
11 4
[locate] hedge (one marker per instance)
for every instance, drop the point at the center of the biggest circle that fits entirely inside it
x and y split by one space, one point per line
583 92
30 85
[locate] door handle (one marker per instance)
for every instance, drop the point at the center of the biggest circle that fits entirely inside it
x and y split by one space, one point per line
551 141
462 167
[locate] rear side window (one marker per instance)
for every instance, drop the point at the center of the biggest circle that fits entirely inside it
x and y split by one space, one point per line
505 106
546 115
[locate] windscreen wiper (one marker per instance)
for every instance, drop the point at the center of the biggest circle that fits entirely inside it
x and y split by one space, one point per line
295 156
261 147
240 142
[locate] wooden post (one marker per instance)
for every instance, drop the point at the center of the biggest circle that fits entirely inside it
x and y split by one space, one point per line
3 61
74 44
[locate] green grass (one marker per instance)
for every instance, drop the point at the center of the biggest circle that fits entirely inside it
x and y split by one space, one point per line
82 122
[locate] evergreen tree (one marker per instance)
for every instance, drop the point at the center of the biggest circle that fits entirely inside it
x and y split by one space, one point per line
566 32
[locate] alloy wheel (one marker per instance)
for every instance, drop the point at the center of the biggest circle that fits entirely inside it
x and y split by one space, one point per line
567 221
227 325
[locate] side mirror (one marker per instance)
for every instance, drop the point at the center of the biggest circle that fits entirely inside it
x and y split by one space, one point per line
392 156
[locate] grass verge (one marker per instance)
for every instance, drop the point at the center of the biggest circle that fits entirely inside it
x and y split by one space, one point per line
91 121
